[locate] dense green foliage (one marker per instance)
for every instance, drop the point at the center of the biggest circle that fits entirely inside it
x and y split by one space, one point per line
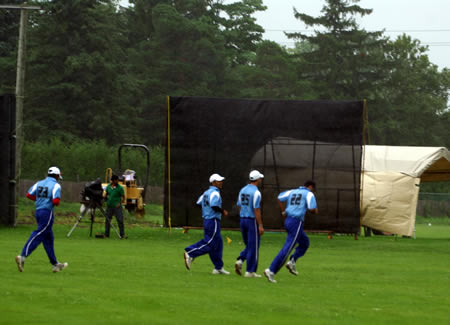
99 71
142 280
87 160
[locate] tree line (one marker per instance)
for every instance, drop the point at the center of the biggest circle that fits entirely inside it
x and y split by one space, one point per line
99 71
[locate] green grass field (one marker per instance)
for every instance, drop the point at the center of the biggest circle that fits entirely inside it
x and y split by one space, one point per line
142 280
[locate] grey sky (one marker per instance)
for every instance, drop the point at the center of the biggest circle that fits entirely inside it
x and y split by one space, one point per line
430 17
427 21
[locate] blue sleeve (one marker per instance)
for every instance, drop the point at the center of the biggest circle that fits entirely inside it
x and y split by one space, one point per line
257 200
284 196
215 200
311 201
32 190
239 199
199 200
56 192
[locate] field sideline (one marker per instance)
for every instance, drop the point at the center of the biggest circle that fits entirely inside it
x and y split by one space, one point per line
142 280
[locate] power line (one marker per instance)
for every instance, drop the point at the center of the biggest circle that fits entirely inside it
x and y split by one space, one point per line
443 44
386 31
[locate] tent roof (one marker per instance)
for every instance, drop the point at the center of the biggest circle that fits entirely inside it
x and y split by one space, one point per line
428 163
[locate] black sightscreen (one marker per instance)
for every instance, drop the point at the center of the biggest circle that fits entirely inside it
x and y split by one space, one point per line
7 159
288 141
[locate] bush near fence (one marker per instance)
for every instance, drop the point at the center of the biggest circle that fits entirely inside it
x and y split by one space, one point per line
71 191
87 160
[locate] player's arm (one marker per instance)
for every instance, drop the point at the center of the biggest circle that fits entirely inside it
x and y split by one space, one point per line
311 203
219 209
238 203
199 201
31 194
282 206
31 197
216 203
257 212
56 194
282 199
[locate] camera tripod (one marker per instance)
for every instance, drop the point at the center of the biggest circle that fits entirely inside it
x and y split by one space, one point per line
89 206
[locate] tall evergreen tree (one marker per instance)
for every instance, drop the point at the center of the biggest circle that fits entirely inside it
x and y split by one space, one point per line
342 59
9 35
405 92
186 48
78 78
239 28
411 102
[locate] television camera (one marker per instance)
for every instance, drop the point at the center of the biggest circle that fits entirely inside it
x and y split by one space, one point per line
92 199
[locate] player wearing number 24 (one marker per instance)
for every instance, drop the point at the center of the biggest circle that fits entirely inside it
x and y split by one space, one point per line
47 194
211 203
293 205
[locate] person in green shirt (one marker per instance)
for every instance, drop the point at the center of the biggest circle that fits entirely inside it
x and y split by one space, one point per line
114 193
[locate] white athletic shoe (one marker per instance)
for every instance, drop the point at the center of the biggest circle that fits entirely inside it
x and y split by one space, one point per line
269 275
188 260
238 267
59 267
252 275
291 267
20 260
221 271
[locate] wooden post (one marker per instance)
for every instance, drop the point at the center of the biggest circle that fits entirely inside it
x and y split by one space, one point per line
20 86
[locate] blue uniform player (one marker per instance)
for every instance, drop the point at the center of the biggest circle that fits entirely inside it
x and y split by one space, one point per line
293 205
212 244
47 194
249 205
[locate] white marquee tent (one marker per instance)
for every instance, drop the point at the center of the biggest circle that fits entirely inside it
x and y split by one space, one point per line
391 176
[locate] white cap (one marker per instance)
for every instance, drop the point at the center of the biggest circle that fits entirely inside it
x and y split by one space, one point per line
216 178
55 171
255 175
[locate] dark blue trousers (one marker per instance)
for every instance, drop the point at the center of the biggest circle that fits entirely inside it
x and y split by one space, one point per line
211 244
250 235
295 236
43 234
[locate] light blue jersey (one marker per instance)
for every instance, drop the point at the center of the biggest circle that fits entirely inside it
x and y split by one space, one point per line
45 191
298 202
210 198
249 199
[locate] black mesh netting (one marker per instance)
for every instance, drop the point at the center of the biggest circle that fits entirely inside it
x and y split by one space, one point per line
7 159
288 141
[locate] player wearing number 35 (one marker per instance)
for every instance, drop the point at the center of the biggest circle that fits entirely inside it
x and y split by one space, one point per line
47 194
249 205
293 205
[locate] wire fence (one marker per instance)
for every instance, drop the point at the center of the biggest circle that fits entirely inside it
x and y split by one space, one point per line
433 205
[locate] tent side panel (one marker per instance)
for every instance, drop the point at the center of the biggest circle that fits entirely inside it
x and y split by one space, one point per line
389 202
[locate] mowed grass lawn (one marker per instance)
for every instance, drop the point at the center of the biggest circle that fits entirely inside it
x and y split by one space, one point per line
143 280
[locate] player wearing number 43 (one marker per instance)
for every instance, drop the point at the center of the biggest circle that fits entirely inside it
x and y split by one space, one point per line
47 194
293 205
249 205
212 244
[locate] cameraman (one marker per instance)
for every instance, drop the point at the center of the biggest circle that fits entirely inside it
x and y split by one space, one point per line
114 194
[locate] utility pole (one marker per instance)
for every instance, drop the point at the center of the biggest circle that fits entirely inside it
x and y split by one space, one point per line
20 85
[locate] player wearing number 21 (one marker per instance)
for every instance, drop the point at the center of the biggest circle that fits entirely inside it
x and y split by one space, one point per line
293 205
249 205
47 194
